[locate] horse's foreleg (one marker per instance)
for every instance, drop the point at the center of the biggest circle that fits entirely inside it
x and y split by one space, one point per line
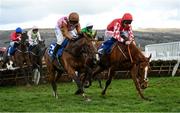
79 85
52 80
99 81
26 75
87 78
72 74
108 82
95 72
134 77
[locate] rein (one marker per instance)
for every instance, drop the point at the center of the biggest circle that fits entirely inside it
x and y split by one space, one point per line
21 51
130 54
33 54
121 51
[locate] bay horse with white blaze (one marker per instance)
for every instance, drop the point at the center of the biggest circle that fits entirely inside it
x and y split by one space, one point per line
77 56
125 57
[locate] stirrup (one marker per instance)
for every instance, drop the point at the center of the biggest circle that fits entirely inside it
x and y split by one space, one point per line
52 58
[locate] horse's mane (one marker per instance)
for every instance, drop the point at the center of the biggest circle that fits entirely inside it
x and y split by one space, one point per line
75 46
137 51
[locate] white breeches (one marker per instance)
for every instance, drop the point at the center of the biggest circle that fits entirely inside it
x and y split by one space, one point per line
59 36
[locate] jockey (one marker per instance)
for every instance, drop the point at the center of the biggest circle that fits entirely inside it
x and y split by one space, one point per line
15 38
33 37
67 27
88 30
118 30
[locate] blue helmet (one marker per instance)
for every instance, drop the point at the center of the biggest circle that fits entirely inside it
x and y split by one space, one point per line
18 30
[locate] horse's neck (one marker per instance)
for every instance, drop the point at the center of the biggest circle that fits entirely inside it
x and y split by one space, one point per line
136 53
22 47
75 47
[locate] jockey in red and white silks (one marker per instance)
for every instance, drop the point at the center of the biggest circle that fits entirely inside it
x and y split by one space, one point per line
121 26
118 30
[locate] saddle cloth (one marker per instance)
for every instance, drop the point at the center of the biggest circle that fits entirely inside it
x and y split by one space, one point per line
11 50
60 51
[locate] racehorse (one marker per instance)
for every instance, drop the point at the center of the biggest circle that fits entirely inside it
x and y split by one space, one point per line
123 57
77 56
36 53
21 57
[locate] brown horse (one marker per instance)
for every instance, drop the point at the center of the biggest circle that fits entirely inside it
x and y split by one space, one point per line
77 56
123 57
21 58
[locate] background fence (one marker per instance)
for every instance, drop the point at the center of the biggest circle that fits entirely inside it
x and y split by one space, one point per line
164 51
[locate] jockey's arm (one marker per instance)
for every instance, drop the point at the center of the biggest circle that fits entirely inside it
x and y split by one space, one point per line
94 33
39 36
64 30
30 40
131 36
78 29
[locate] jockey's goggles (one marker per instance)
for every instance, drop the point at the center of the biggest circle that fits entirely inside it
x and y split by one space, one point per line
73 22
127 21
35 29
18 32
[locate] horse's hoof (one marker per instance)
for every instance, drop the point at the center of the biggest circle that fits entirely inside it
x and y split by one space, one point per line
86 86
101 87
28 85
147 99
56 97
103 93
88 100
78 92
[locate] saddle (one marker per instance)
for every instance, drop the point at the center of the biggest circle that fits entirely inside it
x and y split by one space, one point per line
59 52
106 47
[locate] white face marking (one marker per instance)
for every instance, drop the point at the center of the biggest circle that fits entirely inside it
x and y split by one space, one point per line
145 74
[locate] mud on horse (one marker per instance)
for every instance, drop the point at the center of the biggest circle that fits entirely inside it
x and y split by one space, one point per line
123 57
77 56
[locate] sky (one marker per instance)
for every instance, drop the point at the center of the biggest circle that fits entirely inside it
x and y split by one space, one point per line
45 13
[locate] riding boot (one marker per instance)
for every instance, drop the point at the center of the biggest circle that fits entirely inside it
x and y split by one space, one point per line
101 61
56 50
59 62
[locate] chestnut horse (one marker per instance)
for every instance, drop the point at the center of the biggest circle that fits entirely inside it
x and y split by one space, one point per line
123 57
77 56
21 58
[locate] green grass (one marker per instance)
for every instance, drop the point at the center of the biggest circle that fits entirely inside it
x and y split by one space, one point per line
121 97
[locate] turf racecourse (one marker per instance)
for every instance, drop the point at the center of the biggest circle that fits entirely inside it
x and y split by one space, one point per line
121 96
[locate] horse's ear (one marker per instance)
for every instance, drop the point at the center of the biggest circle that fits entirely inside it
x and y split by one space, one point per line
24 32
95 33
81 34
149 57
43 40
